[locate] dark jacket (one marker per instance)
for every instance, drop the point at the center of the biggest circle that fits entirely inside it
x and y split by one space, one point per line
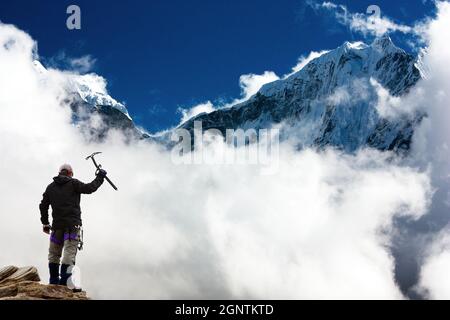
63 195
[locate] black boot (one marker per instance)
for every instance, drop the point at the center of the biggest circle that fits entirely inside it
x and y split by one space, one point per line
64 275
54 273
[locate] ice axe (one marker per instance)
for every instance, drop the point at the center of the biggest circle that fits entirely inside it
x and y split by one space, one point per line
99 166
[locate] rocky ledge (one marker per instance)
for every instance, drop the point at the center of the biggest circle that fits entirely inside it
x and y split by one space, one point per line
24 284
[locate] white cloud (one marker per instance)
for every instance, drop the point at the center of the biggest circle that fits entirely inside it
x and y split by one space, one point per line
388 106
319 228
356 91
431 141
376 25
339 96
187 114
363 23
83 64
304 60
431 95
251 83
434 280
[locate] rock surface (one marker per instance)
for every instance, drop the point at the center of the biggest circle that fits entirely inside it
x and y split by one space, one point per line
23 284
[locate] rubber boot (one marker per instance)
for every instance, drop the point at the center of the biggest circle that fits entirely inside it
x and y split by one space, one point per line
54 273
64 275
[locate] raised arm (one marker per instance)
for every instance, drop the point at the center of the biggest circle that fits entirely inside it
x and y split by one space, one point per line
88 188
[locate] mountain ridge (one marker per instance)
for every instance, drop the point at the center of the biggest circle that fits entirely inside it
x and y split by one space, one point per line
331 101
303 102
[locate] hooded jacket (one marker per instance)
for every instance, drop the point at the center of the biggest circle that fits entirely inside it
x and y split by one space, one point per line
63 195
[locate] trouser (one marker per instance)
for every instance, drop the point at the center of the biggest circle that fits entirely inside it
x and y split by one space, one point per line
64 243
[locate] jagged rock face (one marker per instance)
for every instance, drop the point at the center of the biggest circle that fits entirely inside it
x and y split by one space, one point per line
23 284
331 101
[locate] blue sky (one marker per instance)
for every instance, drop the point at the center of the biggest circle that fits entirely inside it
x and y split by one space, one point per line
160 55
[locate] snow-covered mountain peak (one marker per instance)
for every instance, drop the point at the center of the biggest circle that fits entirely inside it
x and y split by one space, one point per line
385 45
348 61
354 45
331 100
94 111
90 88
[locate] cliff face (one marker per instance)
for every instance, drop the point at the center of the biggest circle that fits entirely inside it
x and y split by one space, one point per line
24 284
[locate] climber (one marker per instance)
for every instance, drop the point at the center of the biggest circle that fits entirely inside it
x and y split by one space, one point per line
63 195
